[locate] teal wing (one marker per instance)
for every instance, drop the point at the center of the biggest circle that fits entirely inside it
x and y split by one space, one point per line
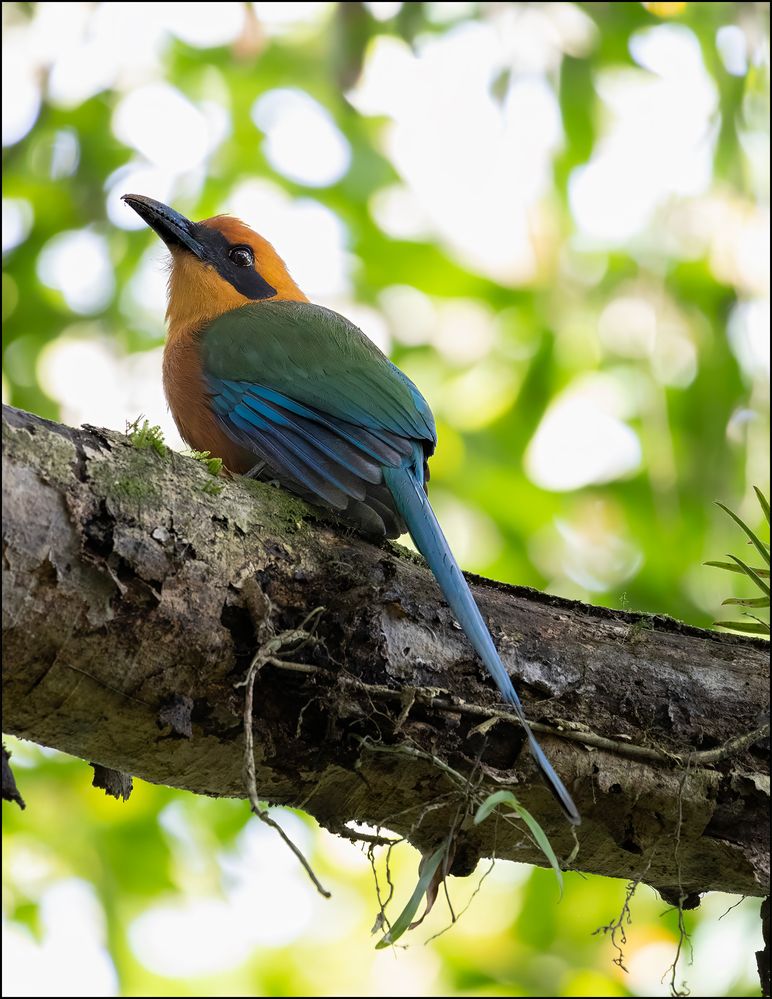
308 394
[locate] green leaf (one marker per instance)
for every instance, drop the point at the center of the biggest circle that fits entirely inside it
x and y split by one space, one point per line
497 798
760 547
405 918
506 797
746 601
745 626
731 567
751 574
763 501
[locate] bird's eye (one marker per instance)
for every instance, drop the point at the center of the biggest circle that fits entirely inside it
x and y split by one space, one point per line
242 256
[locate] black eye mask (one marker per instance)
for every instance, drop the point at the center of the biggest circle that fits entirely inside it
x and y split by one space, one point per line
245 280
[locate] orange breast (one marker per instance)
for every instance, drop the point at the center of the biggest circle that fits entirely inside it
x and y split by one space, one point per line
190 406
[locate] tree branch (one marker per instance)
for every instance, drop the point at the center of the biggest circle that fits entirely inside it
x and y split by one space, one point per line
138 589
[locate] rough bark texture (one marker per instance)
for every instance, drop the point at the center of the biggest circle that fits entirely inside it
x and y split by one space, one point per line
137 588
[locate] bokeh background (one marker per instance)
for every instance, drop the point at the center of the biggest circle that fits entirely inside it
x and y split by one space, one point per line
554 217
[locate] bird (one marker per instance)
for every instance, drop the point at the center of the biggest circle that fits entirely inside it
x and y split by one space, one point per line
281 388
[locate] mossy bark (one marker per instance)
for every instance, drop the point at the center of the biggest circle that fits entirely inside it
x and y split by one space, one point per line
135 582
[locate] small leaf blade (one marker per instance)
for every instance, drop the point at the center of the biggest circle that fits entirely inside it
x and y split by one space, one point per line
745 626
405 918
507 798
544 844
730 567
758 545
763 501
752 574
497 798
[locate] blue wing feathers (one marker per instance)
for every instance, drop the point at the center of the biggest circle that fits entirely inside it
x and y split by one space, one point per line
317 436
327 457
307 452
281 455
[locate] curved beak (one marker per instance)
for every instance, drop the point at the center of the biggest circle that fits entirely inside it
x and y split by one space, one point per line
173 228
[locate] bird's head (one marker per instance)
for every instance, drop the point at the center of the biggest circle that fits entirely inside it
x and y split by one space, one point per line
216 265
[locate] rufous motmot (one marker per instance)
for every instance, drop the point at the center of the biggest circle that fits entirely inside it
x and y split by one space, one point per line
259 376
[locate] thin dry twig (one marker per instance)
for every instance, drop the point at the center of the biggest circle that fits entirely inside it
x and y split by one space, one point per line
371 839
683 934
264 654
616 928
726 911
703 757
629 750
381 918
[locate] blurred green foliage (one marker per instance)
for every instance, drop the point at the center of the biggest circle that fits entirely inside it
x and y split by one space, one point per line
694 395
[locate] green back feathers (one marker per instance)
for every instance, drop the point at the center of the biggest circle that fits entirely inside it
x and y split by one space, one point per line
316 357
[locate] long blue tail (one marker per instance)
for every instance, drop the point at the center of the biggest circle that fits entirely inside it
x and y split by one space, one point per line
413 505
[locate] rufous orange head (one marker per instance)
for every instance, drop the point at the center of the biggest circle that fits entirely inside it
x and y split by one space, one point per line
217 265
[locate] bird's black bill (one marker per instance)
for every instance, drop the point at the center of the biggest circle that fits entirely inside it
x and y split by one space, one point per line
173 228
205 242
